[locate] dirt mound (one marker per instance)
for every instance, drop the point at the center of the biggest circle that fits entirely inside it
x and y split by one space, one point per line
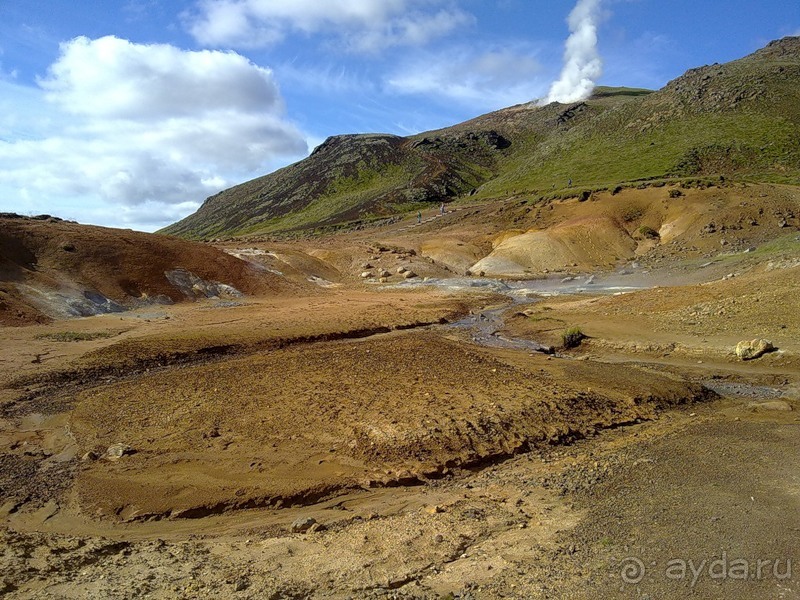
455 253
587 243
53 269
651 225
296 425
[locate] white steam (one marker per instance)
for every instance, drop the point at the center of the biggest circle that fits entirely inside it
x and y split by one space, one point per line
582 63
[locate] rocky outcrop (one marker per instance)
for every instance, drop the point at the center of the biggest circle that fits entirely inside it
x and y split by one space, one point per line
302 524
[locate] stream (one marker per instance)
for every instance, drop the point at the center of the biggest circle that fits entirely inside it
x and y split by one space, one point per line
484 327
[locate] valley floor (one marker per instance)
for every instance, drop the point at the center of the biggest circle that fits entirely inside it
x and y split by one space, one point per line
355 443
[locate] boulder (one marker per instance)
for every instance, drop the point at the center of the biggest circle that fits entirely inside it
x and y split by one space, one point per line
409 275
366 275
117 451
753 349
401 270
385 274
771 405
302 524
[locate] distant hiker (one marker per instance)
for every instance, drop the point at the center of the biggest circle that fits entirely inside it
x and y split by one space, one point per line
441 208
419 217
569 184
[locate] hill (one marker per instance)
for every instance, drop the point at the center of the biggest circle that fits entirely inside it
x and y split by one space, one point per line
740 120
51 268
350 177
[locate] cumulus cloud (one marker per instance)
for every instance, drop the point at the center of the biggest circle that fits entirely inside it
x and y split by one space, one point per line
582 63
111 77
484 80
145 127
361 25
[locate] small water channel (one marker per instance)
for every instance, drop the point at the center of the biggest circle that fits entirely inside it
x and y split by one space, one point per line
484 327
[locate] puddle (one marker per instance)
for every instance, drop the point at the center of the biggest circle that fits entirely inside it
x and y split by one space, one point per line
483 328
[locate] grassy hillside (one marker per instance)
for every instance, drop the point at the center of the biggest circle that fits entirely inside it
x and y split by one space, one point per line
349 178
740 120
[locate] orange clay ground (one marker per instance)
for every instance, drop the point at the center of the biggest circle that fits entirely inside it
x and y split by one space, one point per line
174 451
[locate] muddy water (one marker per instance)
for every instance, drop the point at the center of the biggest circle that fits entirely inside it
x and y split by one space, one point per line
484 327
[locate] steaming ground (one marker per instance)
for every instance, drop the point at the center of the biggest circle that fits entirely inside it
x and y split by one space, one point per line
582 63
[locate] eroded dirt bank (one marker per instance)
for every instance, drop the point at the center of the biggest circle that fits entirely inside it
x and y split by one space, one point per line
560 523
297 425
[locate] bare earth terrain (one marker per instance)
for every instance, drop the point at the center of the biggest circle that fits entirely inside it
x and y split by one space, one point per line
341 430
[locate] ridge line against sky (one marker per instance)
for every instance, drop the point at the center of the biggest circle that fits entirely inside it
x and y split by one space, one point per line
130 113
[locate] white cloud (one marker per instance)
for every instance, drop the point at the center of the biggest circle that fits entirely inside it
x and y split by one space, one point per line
325 79
141 128
111 77
362 25
485 81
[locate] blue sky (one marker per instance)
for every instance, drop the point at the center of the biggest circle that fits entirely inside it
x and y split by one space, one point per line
129 113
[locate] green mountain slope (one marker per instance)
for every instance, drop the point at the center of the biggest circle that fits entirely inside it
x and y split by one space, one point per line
740 119
349 177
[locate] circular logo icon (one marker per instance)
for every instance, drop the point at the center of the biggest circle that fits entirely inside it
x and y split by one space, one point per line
632 570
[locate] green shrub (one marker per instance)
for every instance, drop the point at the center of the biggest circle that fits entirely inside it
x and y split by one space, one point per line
572 337
648 232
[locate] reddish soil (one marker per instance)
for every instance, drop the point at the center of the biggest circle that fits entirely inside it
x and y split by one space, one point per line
127 267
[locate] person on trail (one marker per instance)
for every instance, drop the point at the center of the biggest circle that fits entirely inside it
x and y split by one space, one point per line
441 208
419 216
569 184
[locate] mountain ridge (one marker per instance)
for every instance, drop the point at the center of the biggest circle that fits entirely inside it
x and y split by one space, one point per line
738 119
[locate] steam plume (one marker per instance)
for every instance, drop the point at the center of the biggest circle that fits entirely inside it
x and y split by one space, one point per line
582 63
